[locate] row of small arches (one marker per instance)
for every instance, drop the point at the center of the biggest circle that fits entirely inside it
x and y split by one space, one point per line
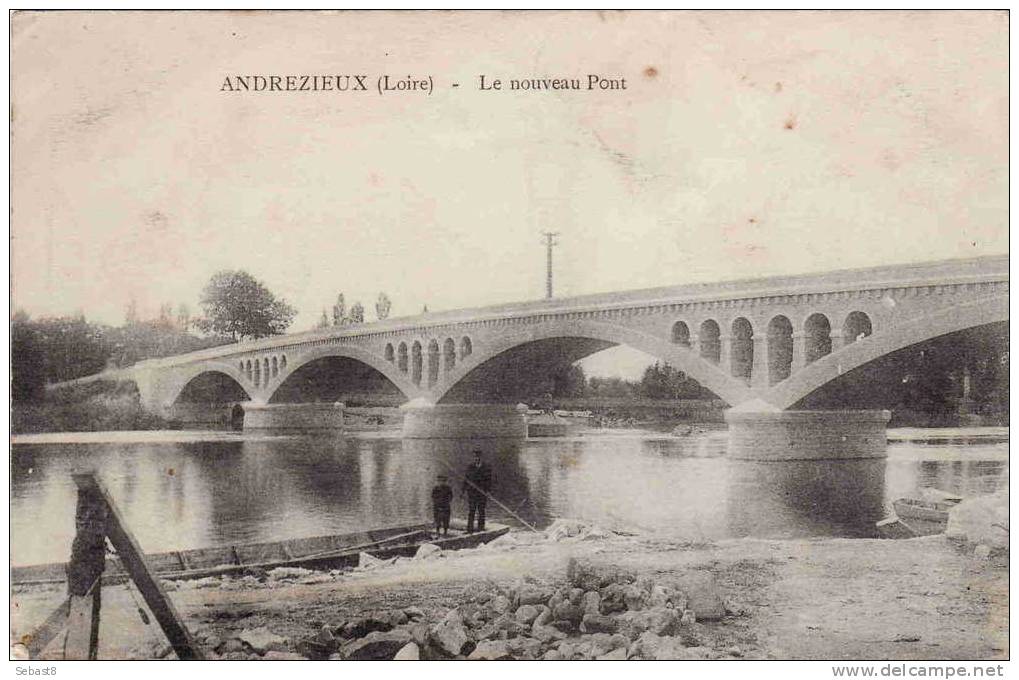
412 360
816 339
259 371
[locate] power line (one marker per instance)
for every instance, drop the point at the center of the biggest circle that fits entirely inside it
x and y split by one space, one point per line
550 241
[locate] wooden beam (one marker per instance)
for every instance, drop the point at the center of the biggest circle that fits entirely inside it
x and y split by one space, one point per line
37 640
82 642
148 585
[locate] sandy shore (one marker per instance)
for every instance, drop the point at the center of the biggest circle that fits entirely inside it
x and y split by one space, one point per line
796 599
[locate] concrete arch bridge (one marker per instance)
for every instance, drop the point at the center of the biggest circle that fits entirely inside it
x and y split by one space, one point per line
761 345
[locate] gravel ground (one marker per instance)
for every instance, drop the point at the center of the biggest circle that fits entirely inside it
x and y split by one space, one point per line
797 599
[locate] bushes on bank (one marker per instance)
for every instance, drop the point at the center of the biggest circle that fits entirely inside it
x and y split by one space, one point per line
92 407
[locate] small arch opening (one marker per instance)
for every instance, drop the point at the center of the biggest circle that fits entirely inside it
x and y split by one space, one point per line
780 349
742 357
402 357
416 361
449 354
817 340
466 347
390 353
433 362
856 327
710 342
275 367
681 334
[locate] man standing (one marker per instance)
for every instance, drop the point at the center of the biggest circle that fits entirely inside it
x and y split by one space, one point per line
477 484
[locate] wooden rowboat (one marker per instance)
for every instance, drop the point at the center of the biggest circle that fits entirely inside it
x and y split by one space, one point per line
916 517
340 551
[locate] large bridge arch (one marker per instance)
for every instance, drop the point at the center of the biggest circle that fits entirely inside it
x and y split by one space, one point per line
680 357
890 339
159 390
299 360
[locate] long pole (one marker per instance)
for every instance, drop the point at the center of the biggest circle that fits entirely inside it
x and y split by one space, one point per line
492 498
549 243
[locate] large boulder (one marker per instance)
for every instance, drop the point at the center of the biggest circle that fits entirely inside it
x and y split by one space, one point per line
618 654
645 646
527 613
500 604
703 597
356 628
568 612
598 623
982 520
590 602
376 646
547 633
660 621
490 650
590 576
262 640
525 648
449 635
283 656
533 594
409 652
427 551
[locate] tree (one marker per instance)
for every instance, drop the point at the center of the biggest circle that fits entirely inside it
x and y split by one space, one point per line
131 314
238 305
382 307
339 311
357 313
28 362
183 317
165 315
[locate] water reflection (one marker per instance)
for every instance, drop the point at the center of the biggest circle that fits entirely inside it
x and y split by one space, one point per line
817 497
179 495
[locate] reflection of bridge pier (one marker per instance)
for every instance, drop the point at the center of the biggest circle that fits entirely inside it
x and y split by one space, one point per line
464 421
822 471
316 416
806 435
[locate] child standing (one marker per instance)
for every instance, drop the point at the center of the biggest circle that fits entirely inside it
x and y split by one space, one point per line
442 497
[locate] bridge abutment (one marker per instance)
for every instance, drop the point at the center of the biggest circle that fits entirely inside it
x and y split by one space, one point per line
464 421
806 435
316 416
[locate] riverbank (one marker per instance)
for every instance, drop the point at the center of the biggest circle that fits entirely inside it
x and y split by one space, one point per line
792 599
97 406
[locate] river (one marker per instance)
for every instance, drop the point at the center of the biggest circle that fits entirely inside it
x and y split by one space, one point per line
184 490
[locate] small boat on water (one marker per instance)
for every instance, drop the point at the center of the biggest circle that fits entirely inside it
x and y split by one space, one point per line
340 551
919 517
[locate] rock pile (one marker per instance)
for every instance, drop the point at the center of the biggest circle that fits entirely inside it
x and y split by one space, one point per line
597 613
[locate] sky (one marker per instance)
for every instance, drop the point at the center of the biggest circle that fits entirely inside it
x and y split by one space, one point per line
745 144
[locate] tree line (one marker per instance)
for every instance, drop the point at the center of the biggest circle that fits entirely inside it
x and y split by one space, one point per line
342 316
659 381
234 306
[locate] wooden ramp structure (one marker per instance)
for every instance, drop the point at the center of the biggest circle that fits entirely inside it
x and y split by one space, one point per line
96 520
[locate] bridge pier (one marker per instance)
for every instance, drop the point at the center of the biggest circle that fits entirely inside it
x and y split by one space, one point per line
464 421
190 413
314 416
806 435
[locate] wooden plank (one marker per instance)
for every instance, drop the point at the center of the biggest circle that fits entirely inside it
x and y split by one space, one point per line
148 585
37 640
82 642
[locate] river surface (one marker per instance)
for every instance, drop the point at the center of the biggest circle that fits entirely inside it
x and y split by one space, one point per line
186 490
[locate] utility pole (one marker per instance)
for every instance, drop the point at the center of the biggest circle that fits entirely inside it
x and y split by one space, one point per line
550 241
